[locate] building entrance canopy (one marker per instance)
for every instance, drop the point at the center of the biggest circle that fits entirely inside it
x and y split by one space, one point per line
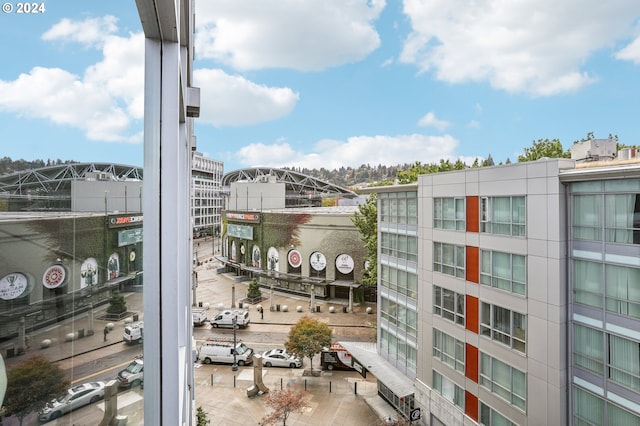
365 354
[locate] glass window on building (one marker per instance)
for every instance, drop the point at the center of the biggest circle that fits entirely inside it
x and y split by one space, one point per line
624 362
503 325
489 416
449 259
448 349
587 217
588 348
400 280
609 210
505 271
622 218
448 304
400 315
399 207
449 213
503 215
588 283
623 290
448 389
591 410
615 285
399 246
503 380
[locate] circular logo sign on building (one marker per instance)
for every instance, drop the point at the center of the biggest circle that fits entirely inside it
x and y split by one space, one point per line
13 286
344 264
295 258
54 276
318 261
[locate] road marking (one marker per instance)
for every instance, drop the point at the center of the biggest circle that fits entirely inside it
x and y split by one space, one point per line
85 378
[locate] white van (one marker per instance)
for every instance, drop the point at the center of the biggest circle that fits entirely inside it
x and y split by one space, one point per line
219 350
134 332
199 316
225 318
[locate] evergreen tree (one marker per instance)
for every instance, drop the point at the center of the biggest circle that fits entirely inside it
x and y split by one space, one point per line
117 304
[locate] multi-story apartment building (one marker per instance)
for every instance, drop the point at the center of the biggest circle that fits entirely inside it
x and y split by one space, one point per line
492 299
207 197
510 295
604 294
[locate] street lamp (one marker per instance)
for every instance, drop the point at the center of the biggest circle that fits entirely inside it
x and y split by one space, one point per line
234 367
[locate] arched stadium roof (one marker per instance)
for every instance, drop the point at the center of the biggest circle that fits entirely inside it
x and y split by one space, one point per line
295 182
57 179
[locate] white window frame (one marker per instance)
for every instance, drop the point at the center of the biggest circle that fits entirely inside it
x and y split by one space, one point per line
513 337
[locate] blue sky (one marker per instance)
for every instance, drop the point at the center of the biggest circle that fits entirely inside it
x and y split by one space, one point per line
329 83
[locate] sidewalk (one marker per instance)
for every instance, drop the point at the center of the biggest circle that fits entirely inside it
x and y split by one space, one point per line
335 397
68 352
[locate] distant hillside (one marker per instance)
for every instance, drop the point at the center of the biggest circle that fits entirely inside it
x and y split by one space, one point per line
7 165
349 177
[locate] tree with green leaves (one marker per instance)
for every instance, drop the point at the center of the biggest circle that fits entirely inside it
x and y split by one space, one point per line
31 385
117 304
284 403
253 292
411 174
307 338
544 148
201 417
366 222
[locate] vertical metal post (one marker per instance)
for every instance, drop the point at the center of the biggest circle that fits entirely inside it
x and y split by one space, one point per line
234 367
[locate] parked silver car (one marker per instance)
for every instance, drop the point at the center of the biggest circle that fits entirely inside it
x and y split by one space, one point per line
77 396
280 358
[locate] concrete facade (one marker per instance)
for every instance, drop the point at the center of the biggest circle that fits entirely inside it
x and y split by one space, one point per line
527 300
536 346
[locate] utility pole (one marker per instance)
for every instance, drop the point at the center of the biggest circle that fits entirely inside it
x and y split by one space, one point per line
234 367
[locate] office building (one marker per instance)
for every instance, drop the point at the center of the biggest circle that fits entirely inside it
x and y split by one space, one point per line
206 194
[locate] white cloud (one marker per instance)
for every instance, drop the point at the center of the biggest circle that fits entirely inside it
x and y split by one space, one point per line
473 124
306 35
59 96
355 151
228 100
104 102
631 52
121 72
90 32
388 62
530 46
430 120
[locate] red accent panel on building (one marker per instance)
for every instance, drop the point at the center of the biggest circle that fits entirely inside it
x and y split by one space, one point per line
472 264
471 362
473 214
471 314
471 405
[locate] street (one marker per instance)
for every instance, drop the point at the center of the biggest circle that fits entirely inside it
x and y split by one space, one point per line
94 359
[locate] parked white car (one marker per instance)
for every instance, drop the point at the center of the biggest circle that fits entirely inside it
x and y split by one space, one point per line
280 358
77 396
